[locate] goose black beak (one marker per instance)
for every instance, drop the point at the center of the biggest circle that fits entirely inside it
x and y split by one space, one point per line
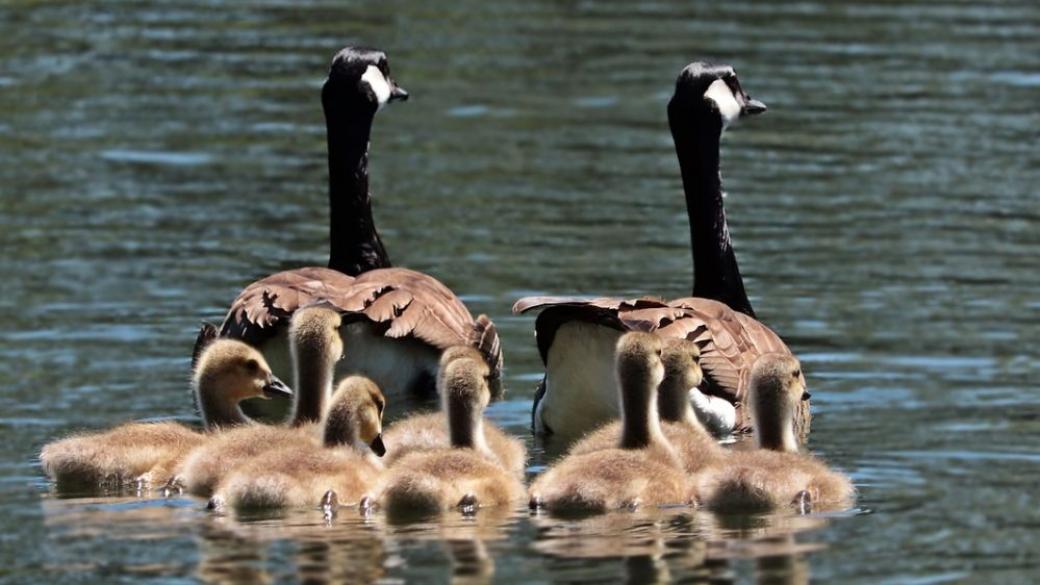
806 395
275 388
398 94
377 445
752 107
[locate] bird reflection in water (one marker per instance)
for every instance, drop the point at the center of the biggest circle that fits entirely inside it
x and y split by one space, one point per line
646 546
664 545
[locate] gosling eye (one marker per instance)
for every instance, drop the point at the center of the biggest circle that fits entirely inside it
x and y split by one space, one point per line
796 373
252 366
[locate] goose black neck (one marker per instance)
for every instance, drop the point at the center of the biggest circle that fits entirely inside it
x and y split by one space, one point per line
354 243
715 271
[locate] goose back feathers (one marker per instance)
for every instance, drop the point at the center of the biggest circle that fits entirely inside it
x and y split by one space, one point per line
729 341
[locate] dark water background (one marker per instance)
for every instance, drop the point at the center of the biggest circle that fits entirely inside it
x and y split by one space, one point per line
157 156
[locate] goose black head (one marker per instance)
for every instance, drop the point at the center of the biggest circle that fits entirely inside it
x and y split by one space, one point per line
714 89
360 76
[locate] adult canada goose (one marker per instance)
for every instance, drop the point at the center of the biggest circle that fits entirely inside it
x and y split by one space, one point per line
776 475
397 321
465 474
145 454
692 442
576 336
315 340
343 469
642 468
426 432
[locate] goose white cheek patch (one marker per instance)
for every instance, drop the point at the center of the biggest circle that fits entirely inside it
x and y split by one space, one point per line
722 95
375 80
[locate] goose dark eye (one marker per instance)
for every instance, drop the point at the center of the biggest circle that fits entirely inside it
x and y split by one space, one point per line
252 366
796 373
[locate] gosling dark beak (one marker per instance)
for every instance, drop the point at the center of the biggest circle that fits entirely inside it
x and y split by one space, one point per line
752 107
398 94
806 395
377 445
275 388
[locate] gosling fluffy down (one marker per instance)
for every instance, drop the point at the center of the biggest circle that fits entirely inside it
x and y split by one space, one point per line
642 469
467 475
146 454
695 446
428 432
347 464
776 475
316 347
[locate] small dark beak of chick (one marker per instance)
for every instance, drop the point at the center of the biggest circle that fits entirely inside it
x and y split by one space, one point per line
275 388
377 445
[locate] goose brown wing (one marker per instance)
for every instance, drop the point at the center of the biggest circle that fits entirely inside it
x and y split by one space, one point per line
413 304
729 341
409 303
267 304
637 314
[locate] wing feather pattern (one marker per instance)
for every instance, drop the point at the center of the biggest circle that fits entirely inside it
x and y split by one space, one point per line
407 303
729 341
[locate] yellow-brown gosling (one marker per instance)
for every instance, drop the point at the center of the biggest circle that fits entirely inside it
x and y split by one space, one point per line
465 475
343 470
776 475
694 445
316 347
426 432
145 454
643 469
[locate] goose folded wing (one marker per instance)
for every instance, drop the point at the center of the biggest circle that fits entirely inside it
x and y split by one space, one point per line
267 304
635 314
730 342
413 304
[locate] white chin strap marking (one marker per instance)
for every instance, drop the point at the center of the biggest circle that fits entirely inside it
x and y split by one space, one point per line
374 78
722 95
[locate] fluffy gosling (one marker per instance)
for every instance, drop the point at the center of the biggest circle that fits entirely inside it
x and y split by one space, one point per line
145 454
642 468
467 475
343 470
776 475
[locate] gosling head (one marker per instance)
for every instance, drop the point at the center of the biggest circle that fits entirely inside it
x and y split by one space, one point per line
462 383
776 388
359 77
681 359
315 329
355 415
682 372
227 372
638 357
706 89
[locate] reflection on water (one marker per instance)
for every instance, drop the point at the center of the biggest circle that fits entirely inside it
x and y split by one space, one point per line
155 157
647 546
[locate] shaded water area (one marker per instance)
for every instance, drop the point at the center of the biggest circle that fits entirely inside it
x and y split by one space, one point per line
157 156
